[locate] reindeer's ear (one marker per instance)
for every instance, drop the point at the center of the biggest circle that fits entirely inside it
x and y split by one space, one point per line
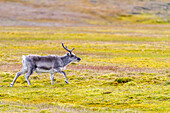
68 54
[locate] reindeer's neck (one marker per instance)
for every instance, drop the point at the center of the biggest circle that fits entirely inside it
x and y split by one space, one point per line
65 60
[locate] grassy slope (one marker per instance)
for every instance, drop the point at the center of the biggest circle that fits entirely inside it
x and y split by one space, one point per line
82 12
122 69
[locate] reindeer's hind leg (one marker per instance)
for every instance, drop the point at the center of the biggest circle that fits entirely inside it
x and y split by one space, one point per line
23 70
30 72
17 75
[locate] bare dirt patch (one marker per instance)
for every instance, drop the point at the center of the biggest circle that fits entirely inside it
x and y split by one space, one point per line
17 67
10 67
115 69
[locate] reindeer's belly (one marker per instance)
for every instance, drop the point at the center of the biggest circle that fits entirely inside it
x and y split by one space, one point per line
48 70
40 70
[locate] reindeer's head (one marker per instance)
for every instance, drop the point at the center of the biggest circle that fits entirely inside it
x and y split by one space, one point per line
71 55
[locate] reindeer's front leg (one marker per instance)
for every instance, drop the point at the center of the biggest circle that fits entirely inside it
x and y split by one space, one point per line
62 72
52 78
65 76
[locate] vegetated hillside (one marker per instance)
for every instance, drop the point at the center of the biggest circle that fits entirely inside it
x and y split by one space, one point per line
82 12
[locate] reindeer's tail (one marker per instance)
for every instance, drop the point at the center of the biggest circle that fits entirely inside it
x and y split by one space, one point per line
24 62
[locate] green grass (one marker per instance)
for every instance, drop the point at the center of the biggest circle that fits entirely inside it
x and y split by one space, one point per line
143 18
123 69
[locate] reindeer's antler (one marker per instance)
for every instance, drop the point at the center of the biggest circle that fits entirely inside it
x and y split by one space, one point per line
67 48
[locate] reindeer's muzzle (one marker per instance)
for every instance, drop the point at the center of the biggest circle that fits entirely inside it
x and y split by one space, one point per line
78 59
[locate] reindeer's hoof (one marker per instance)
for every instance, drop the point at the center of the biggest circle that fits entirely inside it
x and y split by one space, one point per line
67 82
11 85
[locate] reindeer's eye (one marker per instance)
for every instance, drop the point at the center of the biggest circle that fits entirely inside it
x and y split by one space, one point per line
72 55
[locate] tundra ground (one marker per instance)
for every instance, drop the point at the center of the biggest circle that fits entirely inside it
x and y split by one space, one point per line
123 69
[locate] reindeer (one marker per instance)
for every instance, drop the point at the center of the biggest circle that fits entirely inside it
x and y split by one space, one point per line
46 64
